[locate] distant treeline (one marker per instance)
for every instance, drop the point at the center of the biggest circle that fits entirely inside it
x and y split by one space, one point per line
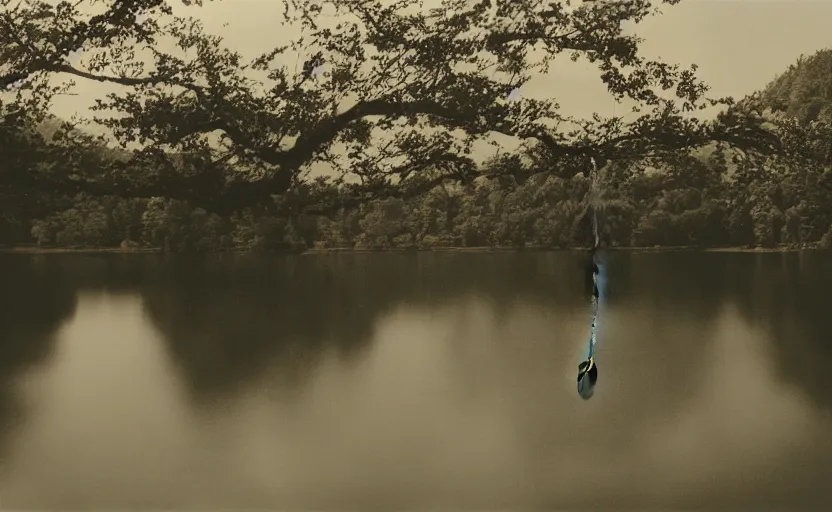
696 202
759 174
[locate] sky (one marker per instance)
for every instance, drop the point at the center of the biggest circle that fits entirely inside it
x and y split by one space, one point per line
739 46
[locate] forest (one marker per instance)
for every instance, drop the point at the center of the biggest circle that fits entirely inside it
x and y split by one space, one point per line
205 152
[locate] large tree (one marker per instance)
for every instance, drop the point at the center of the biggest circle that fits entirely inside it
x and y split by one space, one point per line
409 90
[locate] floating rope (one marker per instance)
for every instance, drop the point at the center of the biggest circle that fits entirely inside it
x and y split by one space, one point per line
587 370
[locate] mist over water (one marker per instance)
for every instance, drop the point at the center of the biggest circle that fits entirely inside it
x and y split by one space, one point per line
413 381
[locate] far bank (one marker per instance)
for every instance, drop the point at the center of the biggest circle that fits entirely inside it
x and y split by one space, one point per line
484 250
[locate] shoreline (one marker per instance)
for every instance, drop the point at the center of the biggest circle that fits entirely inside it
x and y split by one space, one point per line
472 250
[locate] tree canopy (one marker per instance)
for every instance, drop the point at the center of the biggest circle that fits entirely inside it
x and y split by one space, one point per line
408 93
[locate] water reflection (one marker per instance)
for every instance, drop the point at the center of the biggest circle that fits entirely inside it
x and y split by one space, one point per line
34 302
787 295
226 322
418 380
732 438
107 424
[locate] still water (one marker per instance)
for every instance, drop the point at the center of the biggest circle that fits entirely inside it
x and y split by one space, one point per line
414 381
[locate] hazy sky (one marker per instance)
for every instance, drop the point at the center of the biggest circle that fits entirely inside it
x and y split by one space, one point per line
740 45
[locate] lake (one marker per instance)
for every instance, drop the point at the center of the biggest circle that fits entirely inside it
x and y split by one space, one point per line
426 380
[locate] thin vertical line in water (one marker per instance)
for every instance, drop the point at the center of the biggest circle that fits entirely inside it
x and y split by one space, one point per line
596 297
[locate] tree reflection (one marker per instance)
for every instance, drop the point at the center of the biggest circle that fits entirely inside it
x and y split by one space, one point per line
35 299
227 319
786 294
659 326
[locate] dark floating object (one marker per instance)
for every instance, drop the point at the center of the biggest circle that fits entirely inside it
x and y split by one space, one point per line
587 378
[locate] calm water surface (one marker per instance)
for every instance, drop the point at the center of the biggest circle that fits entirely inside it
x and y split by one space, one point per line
413 381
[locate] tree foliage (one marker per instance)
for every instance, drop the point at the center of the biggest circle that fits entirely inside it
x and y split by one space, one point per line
691 201
408 93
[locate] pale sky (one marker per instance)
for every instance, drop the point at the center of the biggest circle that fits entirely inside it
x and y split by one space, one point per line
740 45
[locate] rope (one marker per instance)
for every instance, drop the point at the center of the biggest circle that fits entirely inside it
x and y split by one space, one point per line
587 370
594 204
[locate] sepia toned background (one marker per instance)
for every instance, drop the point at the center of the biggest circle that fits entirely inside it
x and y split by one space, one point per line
739 46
